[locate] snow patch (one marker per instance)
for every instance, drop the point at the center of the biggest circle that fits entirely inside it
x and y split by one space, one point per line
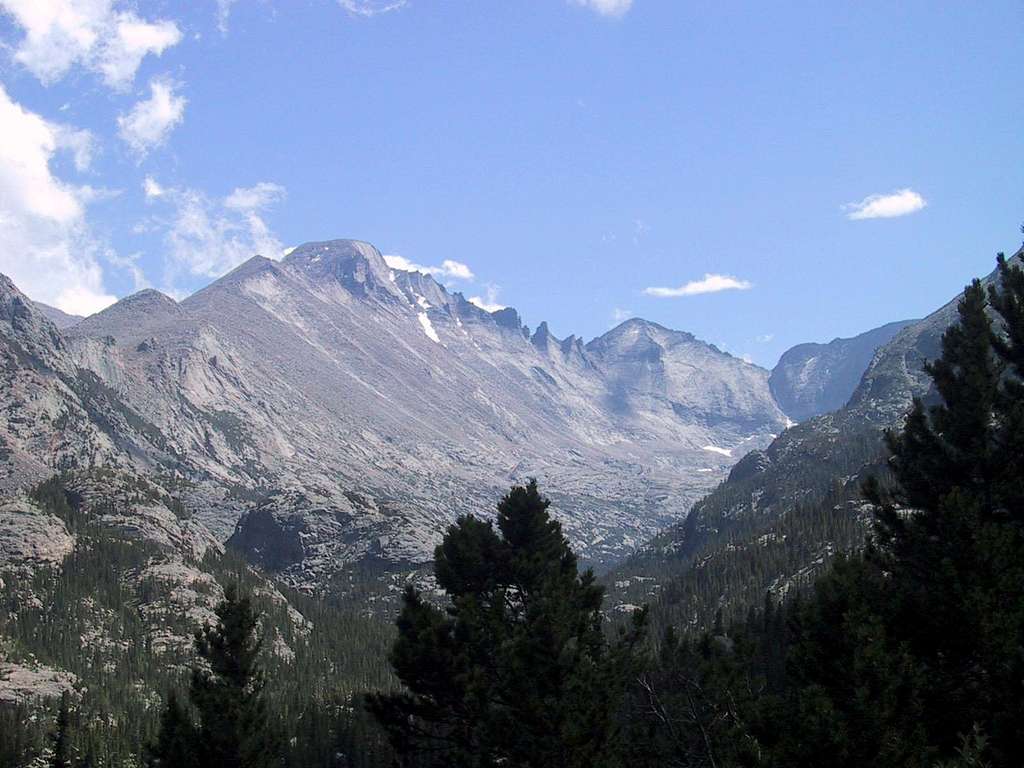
428 327
721 451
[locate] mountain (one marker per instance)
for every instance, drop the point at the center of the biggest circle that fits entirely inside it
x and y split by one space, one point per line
106 577
58 317
785 511
324 410
812 379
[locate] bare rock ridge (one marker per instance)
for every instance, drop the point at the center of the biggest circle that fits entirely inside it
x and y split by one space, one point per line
816 469
812 379
325 409
58 317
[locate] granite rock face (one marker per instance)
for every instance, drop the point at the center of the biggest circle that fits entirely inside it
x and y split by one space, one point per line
365 408
817 466
812 379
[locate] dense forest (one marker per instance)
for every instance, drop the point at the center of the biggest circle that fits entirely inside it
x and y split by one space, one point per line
909 654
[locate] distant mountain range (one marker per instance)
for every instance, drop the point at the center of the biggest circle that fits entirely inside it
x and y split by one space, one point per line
326 409
786 510
812 379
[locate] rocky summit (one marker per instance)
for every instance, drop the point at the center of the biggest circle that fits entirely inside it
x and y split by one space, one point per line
326 409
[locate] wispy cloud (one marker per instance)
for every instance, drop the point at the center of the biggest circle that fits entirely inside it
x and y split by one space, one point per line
207 237
367 8
765 338
223 13
606 7
620 315
449 268
711 283
94 34
489 301
151 120
899 203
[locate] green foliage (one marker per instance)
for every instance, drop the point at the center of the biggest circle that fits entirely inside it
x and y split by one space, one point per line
90 617
61 756
911 656
175 745
227 689
515 670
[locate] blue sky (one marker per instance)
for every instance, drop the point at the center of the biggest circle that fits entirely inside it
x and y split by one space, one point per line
696 164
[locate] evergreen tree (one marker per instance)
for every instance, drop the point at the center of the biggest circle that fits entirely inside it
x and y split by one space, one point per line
61 757
176 744
228 691
950 532
515 670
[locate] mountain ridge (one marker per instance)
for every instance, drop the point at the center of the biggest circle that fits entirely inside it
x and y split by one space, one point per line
327 377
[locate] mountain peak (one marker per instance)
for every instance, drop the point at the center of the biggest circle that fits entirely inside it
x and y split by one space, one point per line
149 296
356 264
637 330
143 309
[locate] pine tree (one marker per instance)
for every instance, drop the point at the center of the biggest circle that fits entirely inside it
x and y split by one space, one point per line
949 532
228 691
61 757
515 670
177 743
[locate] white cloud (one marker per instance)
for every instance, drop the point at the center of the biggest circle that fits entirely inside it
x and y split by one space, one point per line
898 203
152 188
91 33
489 301
367 8
449 268
621 315
208 238
606 7
47 248
131 265
765 338
79 142
150 121
262 195
709 284
223 12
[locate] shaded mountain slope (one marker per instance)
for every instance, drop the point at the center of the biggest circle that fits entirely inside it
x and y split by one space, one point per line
812 379
786 510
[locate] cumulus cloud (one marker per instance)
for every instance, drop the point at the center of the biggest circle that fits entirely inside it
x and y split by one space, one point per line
48 249
94 34
367 8
489 301
209 237
454 270
898 203
151 120
710 283
606 7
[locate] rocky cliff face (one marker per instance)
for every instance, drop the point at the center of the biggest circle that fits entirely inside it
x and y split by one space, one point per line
337 410
812 379
784 511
